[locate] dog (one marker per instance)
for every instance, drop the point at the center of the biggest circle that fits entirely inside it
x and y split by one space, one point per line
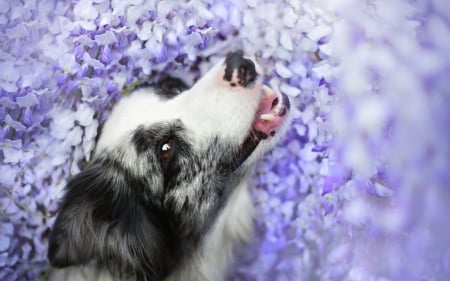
166 195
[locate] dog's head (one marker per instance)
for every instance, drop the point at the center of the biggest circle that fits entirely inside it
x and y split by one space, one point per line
164 166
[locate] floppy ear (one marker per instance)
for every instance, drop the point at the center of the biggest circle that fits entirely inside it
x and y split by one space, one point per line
71 240
106 218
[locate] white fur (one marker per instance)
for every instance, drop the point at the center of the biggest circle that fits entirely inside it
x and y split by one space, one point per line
210 108
234 225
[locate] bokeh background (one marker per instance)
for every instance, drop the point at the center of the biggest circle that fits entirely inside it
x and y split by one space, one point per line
357 190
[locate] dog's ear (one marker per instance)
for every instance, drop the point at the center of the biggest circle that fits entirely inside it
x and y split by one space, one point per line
105 218
71 239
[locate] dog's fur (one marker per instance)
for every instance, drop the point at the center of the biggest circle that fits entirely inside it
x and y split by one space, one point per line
135 214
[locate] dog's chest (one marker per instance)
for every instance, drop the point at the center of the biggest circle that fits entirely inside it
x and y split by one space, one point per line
233 226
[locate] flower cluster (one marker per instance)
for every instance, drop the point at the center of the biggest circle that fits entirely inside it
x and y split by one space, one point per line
357 190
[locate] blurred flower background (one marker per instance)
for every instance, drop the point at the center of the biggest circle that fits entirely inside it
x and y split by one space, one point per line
357 190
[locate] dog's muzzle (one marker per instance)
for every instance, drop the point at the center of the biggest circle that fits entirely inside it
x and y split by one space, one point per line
272 110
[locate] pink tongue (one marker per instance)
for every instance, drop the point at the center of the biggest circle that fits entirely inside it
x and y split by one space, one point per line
278 114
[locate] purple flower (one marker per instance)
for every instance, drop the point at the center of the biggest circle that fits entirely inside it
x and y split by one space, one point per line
105 56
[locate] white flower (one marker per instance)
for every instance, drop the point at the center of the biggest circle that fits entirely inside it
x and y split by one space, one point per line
85 10
84 114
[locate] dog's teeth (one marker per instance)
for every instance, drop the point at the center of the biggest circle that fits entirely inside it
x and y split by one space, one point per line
267 116
268 91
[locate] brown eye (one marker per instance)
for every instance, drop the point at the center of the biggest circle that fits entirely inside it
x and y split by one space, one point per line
166 149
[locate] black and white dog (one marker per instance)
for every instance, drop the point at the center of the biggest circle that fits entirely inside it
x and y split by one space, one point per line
166 195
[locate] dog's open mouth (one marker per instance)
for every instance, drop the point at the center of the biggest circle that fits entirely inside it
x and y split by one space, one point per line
272 112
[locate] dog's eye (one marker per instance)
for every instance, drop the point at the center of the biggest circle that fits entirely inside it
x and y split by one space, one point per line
166 149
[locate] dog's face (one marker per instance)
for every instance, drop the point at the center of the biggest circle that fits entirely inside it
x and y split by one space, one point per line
164 166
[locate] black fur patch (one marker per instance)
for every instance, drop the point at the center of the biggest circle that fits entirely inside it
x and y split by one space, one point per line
166 86
147 139
170 86
105 217
182 166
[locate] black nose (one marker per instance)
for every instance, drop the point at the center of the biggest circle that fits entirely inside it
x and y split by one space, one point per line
239 70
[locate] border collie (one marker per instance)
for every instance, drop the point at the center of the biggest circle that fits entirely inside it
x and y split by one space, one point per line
166 195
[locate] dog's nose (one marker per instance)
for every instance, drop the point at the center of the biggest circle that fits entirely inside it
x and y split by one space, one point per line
239 71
